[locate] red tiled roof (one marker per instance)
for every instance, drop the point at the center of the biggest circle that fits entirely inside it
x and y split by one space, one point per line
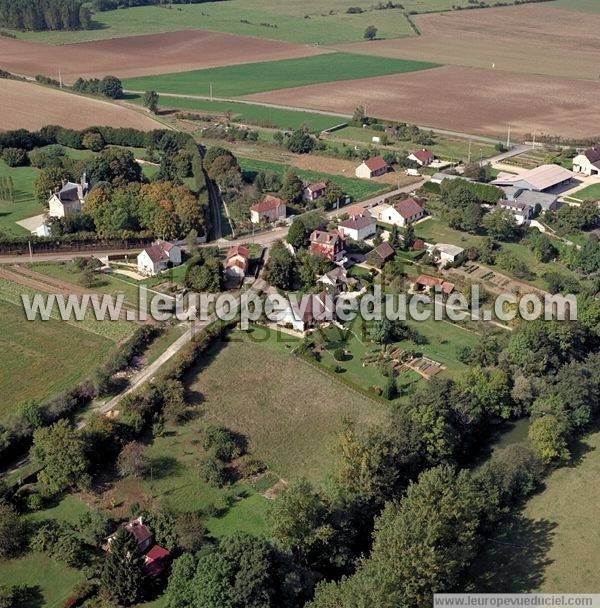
154 561
267 204
384 251
324 238
376 163
425 156
316 187
427 281
355 210
357 222
139 530
240 250
408 208
158 251
593 154
243 264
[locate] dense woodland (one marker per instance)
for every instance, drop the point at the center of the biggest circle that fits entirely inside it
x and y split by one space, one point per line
39 15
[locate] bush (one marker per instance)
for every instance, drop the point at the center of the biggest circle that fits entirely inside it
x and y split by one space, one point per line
213 471
223 443
339 354
14 157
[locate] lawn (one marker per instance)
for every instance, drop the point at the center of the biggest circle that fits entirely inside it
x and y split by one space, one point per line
357 189
591 193
237 80
552 546
445 147
24 205
250 114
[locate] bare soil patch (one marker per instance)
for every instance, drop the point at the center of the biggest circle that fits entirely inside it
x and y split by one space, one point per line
144 55
29 106
461 99
533 39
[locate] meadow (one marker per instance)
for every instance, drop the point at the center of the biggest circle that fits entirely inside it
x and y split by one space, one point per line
356 188
591 193
250 114
307 22
24 204
246 79
551 546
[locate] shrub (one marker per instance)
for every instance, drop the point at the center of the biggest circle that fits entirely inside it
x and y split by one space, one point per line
223 443
213 471
339 354
14 157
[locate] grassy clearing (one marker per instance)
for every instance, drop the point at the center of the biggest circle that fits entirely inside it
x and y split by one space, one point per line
357 189
584 6
444 147
289 412
237 80
551 547
25 204
250 114
45 357
54 581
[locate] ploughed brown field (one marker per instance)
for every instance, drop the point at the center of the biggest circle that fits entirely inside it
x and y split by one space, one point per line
534 39
460 99
29 106
143 55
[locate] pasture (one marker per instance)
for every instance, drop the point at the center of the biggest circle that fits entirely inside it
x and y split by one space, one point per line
289 412
551 546
30 351
543 38
237 80
473 101
249 114
29 106
591 193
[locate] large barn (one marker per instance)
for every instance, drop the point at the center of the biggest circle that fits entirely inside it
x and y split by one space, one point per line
540 179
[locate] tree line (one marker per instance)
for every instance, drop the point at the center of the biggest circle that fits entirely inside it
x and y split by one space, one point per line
40 15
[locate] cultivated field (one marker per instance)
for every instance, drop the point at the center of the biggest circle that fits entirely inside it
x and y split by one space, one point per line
28 106
142 55
461 99
553 546
533 39
239 80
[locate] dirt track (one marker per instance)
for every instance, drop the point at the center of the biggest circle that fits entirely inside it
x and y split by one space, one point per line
534 39
461 99
28 106
143 55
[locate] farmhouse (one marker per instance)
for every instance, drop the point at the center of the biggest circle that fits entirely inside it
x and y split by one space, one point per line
157 257
270 209
447 254
328 244
236 265
540 179
313 192
545 201
406 211
380 255
358 227
69 199
422 157
520 211
587 163
373 167
426 283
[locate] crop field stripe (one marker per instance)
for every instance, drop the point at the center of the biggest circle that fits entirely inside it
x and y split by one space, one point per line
245 79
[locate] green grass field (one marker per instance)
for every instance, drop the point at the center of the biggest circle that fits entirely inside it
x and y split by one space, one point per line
584 6
552 546
250 114
307 22
24 206
356 188
591 193
238 80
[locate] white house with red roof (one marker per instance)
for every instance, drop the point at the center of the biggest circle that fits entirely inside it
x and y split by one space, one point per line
406 211
270 209
157 257
238 258
328 244
422 157
373 167
358 227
